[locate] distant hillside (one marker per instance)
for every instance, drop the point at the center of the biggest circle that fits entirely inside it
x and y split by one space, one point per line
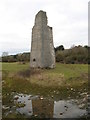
76 54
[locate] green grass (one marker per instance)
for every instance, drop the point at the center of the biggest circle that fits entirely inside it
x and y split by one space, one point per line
46 82
14 67
64 75
69 70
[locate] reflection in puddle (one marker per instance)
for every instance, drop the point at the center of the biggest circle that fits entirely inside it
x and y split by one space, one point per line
67 109
46 108
43 108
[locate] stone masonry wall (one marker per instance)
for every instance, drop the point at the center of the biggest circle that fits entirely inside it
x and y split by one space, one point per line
42 49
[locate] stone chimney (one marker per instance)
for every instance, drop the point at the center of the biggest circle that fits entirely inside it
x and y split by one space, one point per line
42 48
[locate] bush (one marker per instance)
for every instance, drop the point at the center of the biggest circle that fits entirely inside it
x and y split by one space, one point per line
77 54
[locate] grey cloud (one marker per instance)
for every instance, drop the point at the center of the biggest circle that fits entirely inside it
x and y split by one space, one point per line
68 19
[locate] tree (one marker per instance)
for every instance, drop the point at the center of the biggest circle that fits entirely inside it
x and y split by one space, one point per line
4 54
61 47
59 56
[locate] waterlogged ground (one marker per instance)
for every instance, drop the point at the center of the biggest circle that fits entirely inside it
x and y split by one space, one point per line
29 106
57 93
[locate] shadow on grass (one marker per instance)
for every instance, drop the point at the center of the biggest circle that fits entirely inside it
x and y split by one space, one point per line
29 72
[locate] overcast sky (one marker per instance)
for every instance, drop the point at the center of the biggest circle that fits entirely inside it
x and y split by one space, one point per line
69 19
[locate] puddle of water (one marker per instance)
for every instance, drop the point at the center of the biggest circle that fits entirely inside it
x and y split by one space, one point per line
67 109
46 108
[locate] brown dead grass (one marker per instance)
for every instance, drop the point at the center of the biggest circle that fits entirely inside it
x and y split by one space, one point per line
45 79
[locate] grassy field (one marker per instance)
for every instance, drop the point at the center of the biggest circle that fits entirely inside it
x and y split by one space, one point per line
63 76
66 80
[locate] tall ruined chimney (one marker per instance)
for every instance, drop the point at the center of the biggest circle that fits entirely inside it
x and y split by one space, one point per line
42 48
